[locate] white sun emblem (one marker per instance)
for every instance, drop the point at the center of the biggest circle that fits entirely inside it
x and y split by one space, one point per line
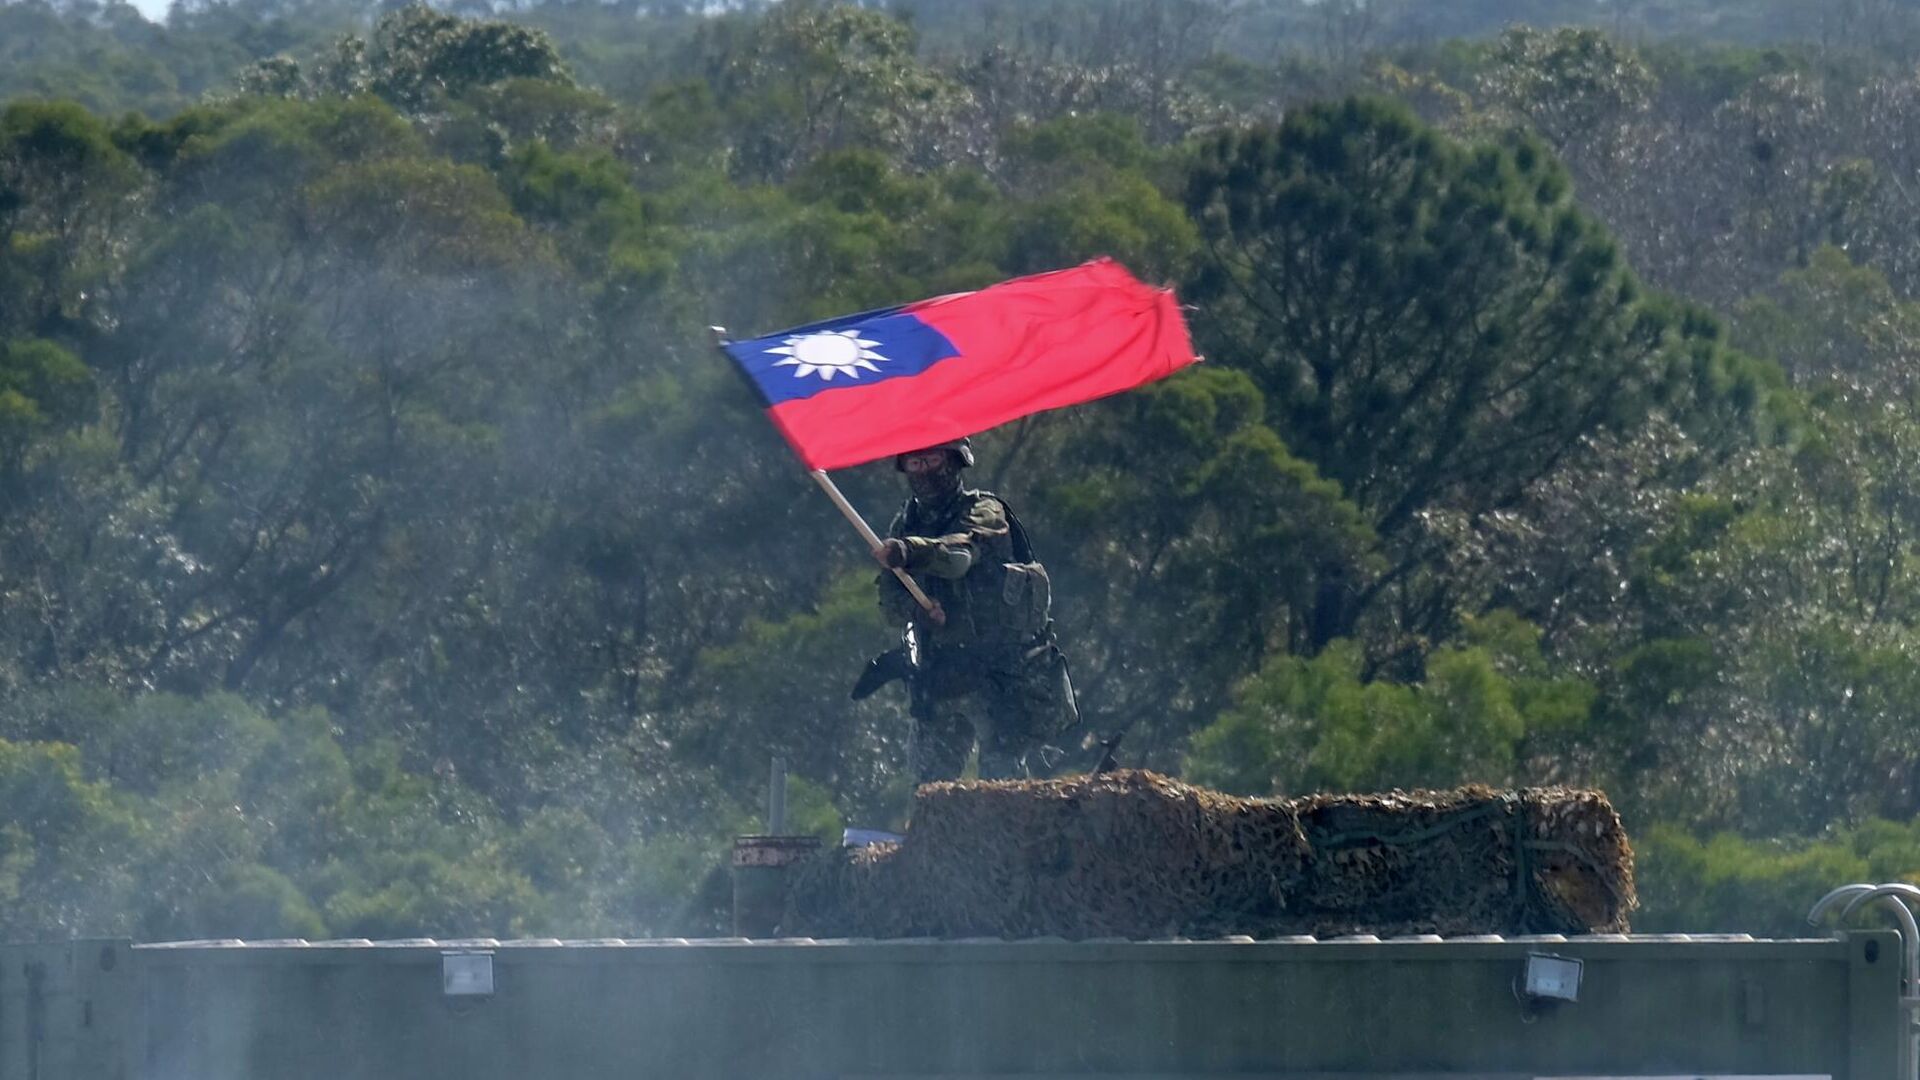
828 353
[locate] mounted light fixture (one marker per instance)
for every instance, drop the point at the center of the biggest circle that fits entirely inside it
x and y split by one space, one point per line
1551 978
466 974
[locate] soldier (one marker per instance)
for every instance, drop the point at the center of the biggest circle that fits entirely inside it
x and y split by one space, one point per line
990 672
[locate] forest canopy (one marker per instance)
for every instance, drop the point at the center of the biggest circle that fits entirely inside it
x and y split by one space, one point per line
385 551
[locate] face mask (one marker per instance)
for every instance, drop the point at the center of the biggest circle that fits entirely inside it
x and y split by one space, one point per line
934 486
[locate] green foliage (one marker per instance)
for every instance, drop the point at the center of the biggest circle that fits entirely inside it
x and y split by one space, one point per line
1727 884
63 846
1195 544
781 687
61 180
1779 616
815 76
107 57
1836 322
1300 725
416 59
208 817
1066 149
1127 218
417 54
1569 82
43 388
1397 294
1438 326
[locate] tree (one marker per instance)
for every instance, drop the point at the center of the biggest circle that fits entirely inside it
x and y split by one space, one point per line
1725 883
417 59
1834 325
43 389
63 185
813 77
1436 325
1576 87
1767 686
1192 545
1300 725
64 844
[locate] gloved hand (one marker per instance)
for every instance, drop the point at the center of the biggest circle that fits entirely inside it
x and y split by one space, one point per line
891 553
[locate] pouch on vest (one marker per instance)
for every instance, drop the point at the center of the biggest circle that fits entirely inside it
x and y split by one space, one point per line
1046 692
1027 596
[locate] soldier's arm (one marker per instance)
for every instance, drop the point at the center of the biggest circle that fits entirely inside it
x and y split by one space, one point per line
952 555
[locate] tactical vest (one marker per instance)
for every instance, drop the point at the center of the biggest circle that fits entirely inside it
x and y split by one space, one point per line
998 637
1004 599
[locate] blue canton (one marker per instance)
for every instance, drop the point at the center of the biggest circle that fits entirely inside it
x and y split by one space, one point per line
899 345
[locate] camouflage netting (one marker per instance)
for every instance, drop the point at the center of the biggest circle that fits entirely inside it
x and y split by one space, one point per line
1136 855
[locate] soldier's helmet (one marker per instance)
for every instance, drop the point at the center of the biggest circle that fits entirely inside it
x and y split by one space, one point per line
962 448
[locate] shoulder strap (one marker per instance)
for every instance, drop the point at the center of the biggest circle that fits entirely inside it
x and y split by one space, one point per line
915 518
1016 532
1022 547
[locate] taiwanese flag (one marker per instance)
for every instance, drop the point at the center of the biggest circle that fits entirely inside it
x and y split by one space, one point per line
864 387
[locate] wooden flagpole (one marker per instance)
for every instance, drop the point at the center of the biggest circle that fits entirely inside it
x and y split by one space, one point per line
827 485
873 542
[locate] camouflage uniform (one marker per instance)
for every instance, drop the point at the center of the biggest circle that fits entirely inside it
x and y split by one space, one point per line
991 672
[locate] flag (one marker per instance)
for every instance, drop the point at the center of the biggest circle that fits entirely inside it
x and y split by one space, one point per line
863 387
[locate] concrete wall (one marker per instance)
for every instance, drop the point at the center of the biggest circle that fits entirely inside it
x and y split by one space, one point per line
1648 1006
70 1010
